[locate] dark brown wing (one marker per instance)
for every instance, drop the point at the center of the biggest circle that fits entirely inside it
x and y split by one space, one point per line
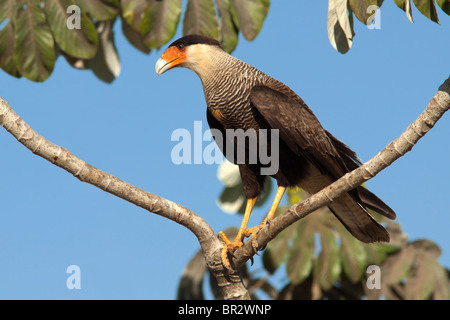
304 135
299 129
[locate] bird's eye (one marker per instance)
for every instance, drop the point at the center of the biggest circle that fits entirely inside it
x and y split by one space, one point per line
180 46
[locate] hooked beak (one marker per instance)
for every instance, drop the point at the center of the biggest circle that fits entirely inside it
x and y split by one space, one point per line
161 66
171 58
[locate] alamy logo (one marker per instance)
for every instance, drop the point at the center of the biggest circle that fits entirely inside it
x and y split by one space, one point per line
74 20
374 20
374 277
241 146
74 280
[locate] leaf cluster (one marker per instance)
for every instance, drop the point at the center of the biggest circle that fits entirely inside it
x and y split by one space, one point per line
34 33
320 259
341 16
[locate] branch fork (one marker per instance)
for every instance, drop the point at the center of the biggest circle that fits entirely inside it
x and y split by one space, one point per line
228 280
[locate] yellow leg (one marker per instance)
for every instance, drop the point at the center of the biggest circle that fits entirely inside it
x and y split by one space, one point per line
238 240
253 231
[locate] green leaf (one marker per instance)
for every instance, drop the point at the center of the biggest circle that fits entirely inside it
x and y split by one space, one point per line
7 38
200 18
441 283
112 3
415 273
405 5
426 270
328 264
79 43
445 5
191 283
99 10
148 18
397 266
249 16
166 15
296 194
377 252
134 37
427 8
364 10
278 249
106 63
339 26
228 174
421 285
133 12
428 247
232 199
353 256
300 261
227 29
34 51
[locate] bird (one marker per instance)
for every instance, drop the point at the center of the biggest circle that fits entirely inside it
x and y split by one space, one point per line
241 97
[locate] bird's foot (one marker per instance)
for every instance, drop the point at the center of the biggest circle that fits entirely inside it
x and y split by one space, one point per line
229 247
251 232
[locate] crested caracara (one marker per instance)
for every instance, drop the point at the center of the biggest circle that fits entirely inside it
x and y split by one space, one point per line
239 96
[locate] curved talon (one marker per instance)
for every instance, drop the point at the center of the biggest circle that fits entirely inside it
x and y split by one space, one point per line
254 243
252 234
224 256
229 248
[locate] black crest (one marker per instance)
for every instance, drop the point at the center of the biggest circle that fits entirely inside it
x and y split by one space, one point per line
195 39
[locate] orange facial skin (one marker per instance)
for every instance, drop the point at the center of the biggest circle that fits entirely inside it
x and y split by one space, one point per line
171 58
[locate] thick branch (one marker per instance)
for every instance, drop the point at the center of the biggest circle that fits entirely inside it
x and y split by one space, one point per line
436 108
230 283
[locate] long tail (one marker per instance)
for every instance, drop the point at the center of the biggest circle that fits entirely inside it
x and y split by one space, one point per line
357 220
371 201
350 208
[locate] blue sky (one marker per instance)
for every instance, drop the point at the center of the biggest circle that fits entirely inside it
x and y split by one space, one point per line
49 220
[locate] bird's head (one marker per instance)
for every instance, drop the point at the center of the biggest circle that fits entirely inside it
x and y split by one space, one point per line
195 52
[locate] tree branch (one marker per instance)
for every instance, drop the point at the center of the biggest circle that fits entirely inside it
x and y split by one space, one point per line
228 280
230 283
435 109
